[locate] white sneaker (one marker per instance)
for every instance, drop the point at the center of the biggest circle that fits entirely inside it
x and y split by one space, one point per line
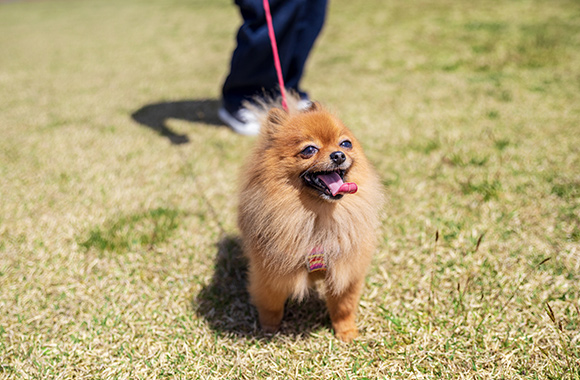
303 104
243 121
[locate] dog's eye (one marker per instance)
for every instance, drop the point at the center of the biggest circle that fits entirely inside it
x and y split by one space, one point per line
346 144
309 151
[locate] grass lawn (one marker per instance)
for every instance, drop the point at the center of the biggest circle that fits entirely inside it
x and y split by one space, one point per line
119 251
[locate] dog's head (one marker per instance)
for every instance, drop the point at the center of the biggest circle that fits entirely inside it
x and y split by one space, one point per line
313 150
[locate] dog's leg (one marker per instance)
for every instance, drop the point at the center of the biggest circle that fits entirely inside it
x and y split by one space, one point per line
342 310
268 300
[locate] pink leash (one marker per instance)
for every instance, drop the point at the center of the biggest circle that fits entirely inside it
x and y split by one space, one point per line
275 52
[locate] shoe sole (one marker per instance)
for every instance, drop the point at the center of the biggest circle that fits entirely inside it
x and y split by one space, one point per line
247 129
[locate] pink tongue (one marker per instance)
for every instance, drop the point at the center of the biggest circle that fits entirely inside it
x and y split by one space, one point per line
348 188
336 185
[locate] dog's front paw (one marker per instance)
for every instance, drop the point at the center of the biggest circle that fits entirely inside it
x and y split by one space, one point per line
347 335
270 329
270 320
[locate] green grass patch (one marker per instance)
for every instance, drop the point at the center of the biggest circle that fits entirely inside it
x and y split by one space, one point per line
569 190
136 231
487 189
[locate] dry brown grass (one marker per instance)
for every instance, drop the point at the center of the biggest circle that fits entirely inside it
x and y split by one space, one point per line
119 255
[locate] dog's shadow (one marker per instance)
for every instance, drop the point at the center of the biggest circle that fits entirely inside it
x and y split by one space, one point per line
155 116
225 303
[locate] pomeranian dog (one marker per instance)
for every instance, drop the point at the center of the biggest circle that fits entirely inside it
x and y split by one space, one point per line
308 210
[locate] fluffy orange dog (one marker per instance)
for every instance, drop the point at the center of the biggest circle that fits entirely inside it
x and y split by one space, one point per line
308 212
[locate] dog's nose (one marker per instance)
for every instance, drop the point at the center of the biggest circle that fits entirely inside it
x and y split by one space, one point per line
337 157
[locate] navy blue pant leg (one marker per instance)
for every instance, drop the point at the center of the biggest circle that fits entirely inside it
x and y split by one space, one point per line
306 31
297 24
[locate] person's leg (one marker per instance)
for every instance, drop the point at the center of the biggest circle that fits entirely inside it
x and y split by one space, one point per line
308 28
296 23
252 67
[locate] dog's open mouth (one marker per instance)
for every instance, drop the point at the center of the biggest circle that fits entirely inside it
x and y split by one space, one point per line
330 183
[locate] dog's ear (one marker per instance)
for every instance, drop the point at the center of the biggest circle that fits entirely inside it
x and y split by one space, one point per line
276 117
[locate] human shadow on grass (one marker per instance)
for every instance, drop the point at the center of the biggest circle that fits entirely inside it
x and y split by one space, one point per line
225 303
155 116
